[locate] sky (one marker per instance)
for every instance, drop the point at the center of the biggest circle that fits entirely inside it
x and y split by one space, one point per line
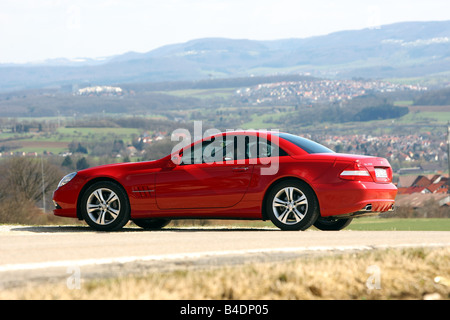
36 30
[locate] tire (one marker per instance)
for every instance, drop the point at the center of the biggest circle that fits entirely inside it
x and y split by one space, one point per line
292 205
151 224
105 206
330 224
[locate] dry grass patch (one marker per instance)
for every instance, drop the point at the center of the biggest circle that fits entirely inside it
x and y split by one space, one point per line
413 273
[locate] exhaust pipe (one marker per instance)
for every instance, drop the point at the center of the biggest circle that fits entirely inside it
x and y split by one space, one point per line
368 207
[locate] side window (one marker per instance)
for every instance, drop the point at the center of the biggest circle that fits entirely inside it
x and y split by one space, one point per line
261 148
194 154
216 150
240 144
228 148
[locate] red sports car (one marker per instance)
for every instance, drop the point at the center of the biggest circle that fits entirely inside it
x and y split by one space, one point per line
290 180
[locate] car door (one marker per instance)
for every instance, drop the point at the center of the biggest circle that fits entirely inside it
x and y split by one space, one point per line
212 174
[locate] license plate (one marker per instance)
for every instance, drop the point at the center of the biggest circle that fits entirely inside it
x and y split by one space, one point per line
381 173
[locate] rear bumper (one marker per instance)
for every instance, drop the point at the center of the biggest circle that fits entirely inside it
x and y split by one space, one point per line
356 198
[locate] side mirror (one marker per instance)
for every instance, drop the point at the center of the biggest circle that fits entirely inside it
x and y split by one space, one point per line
176 159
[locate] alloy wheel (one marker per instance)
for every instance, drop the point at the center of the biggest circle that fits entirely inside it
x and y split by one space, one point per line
290 205
103 206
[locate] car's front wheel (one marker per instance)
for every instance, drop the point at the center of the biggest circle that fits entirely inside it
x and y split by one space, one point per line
292 205
105 206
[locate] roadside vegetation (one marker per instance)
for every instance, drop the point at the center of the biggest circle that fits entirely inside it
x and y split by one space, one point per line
367 275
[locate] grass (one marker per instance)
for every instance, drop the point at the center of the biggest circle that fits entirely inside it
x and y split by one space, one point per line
224 93
365 223
264 121
267 117
358 224
413 273
95 133
58 141
409 224
436 79
403 103
427 116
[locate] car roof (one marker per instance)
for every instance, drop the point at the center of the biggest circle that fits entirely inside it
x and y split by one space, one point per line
286 145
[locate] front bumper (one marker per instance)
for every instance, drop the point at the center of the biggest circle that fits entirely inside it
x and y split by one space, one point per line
65 198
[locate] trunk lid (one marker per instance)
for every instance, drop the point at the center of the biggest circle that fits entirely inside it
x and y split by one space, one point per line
379 168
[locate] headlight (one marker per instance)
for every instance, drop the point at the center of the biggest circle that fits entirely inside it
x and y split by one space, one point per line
66 179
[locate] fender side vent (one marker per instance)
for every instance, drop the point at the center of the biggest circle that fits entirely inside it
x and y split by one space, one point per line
142 191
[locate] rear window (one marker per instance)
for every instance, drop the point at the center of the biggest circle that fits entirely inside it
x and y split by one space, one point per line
306 144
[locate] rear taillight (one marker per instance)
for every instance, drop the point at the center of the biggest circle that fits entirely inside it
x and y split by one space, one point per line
356 172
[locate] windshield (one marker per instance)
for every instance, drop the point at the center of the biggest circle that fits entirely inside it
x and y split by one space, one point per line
306 144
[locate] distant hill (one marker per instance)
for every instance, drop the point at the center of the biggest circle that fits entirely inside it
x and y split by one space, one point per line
409 49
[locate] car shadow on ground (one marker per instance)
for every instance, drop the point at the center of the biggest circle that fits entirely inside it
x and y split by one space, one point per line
81 228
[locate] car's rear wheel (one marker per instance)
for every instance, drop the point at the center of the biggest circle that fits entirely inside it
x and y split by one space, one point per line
105 206
151 224
331 224
292 205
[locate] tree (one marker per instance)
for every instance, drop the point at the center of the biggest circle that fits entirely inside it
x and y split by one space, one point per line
67 162
22 183
82 164
74 148
28 177
434 98
381 112
81 149
118 146
159 149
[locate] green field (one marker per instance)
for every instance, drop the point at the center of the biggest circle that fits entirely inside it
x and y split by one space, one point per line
265 121
96 133
224 93
58 140
433 117
409 224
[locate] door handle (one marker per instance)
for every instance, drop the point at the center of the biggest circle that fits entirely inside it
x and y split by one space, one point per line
240 169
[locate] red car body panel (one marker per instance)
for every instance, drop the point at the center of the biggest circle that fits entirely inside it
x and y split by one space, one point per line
236 189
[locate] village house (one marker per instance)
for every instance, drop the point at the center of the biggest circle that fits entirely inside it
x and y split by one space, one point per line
431 184
418 191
